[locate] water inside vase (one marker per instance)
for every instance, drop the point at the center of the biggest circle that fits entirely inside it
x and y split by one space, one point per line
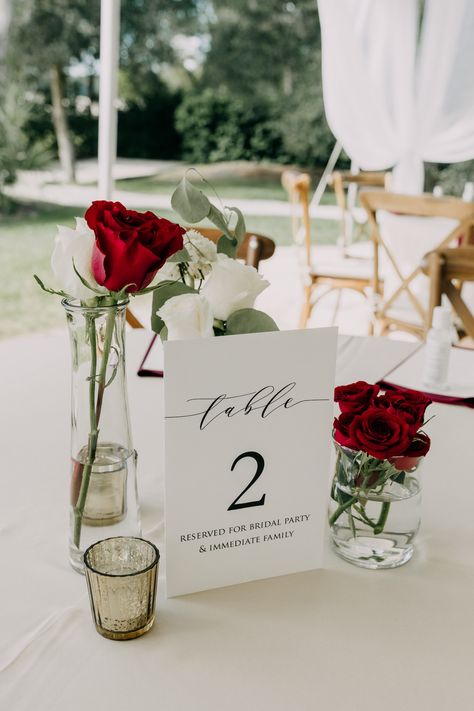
106 501
357 542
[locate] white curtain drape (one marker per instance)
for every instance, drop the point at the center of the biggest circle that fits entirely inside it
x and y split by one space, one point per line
393 99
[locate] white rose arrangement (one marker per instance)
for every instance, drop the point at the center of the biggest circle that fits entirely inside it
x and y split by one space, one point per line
204 290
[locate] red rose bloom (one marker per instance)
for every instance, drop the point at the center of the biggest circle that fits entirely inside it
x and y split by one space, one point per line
380 433
355 397
341 429
129 246
418 447
410 405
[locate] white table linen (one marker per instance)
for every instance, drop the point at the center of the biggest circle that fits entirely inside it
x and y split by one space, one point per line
338 638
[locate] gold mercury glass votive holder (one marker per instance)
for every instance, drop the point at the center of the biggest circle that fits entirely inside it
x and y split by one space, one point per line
121 574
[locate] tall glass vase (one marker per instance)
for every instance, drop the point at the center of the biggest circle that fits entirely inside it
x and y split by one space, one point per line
103 492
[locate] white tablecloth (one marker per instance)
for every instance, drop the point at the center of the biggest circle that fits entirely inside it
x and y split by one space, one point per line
340 638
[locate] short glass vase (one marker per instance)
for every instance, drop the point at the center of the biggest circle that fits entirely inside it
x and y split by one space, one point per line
374 510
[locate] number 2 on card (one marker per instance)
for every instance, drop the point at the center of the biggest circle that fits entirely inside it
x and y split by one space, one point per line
260 462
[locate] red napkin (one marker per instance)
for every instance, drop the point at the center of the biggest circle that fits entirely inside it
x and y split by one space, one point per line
436 397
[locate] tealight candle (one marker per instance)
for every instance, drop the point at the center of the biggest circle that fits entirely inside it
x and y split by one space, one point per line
121 575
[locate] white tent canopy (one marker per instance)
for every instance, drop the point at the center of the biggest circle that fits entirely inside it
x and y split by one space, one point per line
393 98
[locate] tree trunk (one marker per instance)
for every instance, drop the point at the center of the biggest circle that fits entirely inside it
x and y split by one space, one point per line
61 126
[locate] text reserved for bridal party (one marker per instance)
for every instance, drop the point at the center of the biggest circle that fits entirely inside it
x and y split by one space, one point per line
247 444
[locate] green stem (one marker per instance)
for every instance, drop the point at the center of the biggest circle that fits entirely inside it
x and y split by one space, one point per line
109 330
340 510
94 414
382 520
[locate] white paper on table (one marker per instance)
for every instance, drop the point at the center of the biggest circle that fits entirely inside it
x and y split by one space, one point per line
460 374
275 458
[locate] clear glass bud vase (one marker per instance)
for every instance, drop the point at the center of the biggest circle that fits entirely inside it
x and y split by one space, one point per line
375 508
103 492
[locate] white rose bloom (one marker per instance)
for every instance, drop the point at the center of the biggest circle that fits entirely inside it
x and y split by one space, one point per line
187 316
202 252
232 286
74 245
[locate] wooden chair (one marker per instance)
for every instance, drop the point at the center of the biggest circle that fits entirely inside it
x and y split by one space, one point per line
252 250
448 269
379 203
345 185
336 273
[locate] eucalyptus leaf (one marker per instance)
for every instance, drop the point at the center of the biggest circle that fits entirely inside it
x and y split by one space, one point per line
239 230
217 218
226 246
167 291
190 202
250 321
164 334
181 256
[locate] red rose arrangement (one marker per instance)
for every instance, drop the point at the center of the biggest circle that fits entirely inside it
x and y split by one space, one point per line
384 425
380 443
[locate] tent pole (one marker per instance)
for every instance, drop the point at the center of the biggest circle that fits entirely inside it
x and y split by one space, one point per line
109 60
321 187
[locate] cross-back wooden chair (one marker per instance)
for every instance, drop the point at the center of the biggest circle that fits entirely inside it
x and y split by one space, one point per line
333 272
345 185
252 250
377 203
448 269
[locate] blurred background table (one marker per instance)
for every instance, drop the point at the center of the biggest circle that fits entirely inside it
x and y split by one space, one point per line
335 638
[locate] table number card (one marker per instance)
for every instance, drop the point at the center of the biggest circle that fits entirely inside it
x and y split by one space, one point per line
247 439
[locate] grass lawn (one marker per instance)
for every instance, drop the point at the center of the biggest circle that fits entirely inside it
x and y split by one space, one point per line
264 185
26 241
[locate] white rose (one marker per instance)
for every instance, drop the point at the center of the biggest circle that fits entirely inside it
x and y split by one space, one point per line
232 286
74 245
187 316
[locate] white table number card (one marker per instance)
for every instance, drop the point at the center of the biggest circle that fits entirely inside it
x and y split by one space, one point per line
247 447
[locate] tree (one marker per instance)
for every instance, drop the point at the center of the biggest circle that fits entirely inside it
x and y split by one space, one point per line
267 55
48 36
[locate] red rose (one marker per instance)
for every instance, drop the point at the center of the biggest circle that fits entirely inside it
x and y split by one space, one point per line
418 447
341 429
408 404
129 246
380 433
355 397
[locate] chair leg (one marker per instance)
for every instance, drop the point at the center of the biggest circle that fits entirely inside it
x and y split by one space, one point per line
307 308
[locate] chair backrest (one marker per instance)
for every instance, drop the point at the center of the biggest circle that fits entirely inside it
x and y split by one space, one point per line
444 267
297 185
457 226
252 249
346 185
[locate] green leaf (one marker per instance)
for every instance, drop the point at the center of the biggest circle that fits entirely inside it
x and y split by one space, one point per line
86 283
46 289
190 202
218 219
181 256
164 334
226 246
400 478
250 321
239 230
167 291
